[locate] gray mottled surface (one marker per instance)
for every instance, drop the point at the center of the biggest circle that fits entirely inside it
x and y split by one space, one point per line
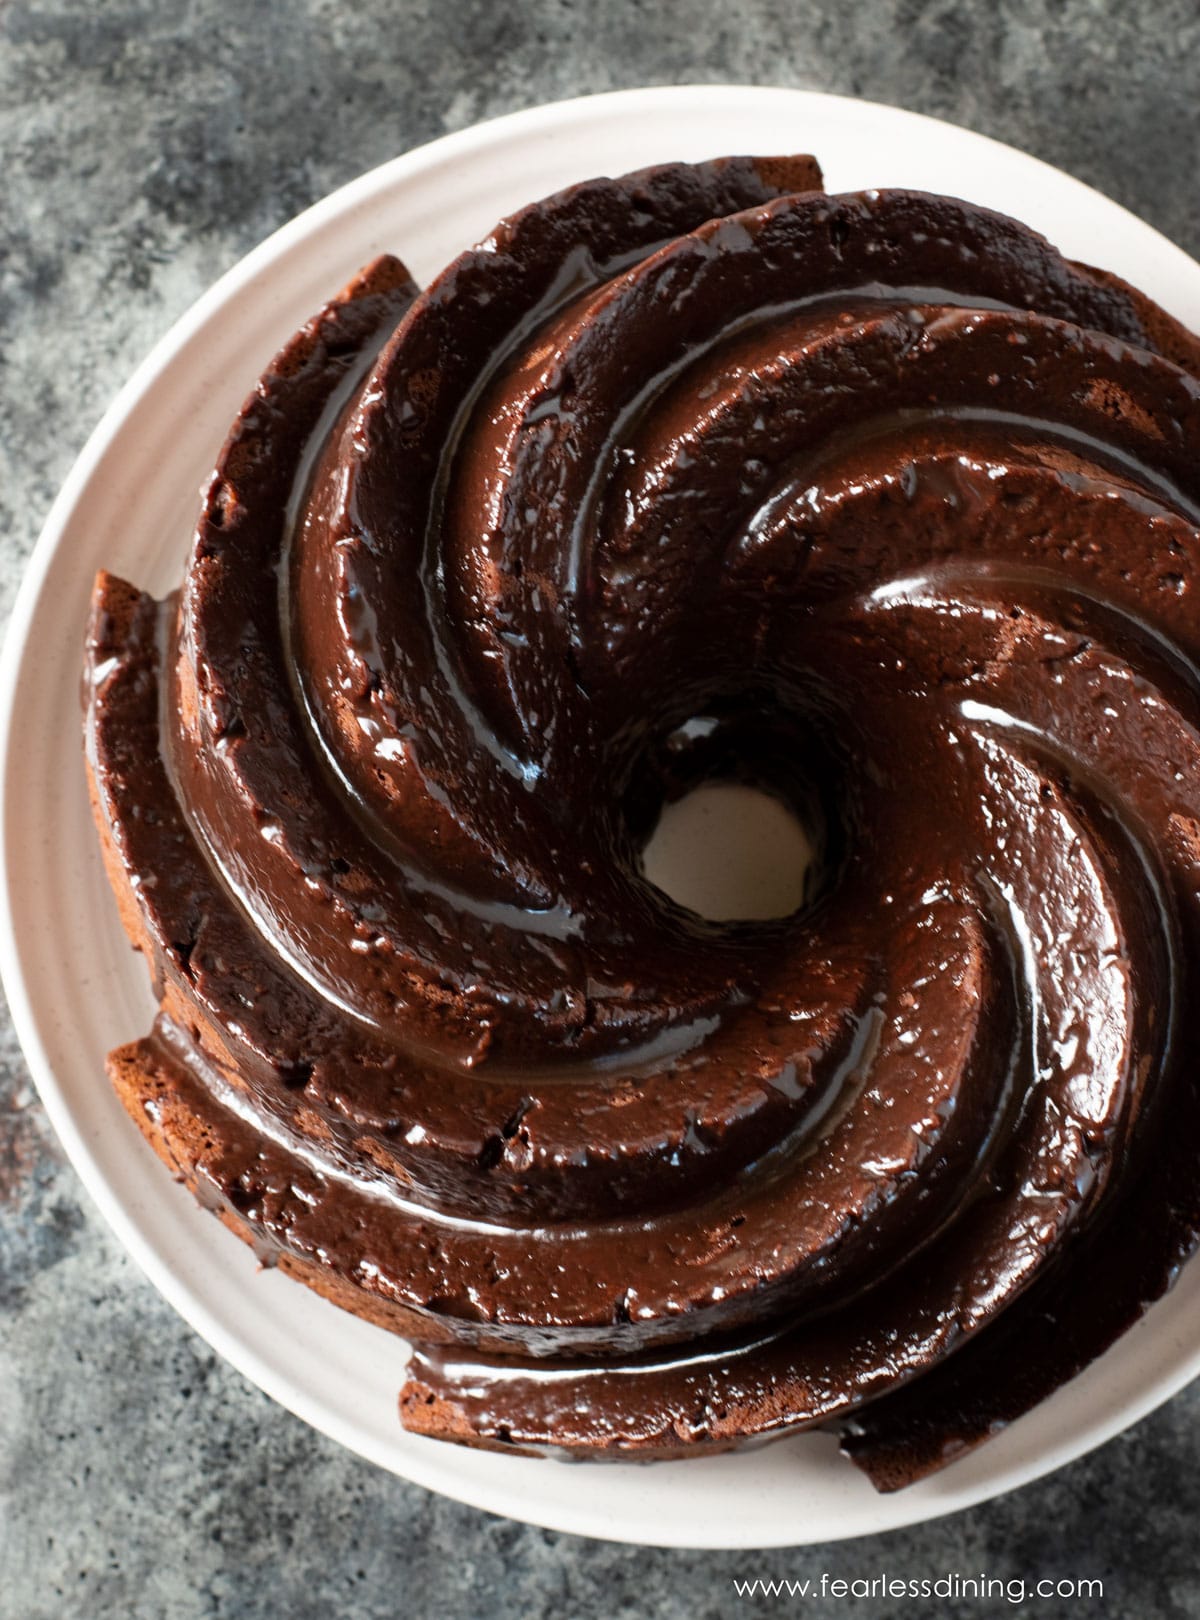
145 147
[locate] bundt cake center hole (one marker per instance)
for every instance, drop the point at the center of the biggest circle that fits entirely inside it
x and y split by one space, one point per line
731 853
733 807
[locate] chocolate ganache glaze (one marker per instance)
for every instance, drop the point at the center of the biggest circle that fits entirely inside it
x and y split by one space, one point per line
873 501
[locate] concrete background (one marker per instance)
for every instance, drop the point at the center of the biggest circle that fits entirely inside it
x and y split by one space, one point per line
146 145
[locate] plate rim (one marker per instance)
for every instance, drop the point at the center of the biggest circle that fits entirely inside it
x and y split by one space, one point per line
451 148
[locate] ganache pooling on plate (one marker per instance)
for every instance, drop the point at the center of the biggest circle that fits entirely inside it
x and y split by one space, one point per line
874 501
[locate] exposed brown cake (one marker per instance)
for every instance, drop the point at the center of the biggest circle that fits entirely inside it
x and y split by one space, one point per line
874 501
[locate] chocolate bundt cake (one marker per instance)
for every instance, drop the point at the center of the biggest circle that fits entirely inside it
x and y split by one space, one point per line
873 501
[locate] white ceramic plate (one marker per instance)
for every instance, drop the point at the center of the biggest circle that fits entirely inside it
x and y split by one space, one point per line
76 989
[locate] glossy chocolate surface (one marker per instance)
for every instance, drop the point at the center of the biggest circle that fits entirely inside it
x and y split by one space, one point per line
873 501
